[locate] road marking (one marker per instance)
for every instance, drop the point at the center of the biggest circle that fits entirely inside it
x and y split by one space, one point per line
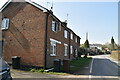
91 66
105 77
90 76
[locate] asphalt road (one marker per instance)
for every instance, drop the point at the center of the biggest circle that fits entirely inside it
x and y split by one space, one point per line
103 69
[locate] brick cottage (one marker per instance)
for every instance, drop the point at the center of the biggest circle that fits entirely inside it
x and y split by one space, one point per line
35 34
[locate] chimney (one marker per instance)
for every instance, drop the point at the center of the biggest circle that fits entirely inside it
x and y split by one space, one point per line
51 11
65 23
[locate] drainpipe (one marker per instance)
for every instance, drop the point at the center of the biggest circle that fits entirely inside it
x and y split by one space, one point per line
46 37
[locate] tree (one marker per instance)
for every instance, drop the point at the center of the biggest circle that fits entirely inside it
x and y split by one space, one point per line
112 42
86 44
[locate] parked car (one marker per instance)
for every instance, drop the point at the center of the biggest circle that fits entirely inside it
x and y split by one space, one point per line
91 53
100 53
4 70
108 52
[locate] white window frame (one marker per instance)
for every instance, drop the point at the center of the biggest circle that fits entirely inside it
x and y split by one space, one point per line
60 26
5 24
65 49
54 48
65 33
76 52
51 39
76 40
72 36
71 49
55 26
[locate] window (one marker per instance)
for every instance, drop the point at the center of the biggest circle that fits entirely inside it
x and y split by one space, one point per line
71 49
76 52
55 26
53 48
65 51
65 33
71 36
5 24
76 40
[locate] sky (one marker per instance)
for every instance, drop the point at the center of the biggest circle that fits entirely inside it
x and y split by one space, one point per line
99 19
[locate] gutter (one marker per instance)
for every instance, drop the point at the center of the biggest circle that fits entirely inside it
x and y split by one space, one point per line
46 37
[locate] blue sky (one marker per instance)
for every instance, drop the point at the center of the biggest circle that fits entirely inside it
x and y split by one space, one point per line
99 19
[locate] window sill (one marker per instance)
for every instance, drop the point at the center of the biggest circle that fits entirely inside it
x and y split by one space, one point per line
52 54
65 55
56 31
4 29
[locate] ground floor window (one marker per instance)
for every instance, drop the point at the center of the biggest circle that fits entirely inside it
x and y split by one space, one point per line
76 52
53 48
65 49
71 49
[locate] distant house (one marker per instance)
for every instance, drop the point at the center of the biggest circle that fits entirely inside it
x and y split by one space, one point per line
35 34
95 48
98 46
107 49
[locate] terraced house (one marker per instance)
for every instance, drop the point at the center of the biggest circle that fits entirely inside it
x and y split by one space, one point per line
35 34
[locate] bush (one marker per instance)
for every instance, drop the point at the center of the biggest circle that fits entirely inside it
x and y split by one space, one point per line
33 70
82 51
40 70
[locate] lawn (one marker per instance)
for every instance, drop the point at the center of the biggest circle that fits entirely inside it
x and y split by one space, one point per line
76 65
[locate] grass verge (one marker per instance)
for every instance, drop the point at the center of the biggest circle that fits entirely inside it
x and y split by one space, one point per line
76 65
45 72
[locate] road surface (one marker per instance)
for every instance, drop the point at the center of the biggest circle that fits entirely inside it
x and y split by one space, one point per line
103 69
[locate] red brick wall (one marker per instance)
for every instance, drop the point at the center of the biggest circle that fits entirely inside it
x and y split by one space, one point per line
59 36
26 34
75 45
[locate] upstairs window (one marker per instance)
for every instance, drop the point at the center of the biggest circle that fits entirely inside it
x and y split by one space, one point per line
76 40
5 24
71 36
55 26
65 33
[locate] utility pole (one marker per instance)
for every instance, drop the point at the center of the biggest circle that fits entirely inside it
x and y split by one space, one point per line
52 6
47 4
86 35
67 17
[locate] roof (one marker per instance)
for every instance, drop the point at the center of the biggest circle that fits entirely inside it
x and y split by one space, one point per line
29 1
39 7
